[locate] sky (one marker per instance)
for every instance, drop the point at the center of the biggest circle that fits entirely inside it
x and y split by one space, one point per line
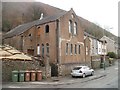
101 12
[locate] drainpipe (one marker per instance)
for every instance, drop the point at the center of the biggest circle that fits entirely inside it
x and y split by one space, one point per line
85 50
57 40
58 45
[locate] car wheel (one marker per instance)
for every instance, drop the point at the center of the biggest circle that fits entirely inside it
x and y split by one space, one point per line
92 73
83 75
73 76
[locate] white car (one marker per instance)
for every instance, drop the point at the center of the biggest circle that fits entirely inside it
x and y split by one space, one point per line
82 71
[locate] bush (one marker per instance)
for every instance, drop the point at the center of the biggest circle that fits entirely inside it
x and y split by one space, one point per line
111 54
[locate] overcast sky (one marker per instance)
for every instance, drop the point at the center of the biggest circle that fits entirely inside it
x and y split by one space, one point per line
102 12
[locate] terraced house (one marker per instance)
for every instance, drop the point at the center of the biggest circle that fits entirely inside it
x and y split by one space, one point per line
57 39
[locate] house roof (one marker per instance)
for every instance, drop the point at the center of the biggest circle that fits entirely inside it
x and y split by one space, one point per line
87 34
24 27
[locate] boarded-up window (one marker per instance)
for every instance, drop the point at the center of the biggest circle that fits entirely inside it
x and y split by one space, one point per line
38 30
30 52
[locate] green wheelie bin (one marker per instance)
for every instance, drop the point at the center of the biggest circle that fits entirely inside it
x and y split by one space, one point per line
21 76
15 76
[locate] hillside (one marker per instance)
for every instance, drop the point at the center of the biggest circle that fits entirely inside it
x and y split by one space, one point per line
15 13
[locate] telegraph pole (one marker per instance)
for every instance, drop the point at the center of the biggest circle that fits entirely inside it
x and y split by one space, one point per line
104 53
104 50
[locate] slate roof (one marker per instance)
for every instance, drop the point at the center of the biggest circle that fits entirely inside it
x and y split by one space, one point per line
24 27
89 35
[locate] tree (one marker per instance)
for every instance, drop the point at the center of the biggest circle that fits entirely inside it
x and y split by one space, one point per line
34 12
111 54
6 25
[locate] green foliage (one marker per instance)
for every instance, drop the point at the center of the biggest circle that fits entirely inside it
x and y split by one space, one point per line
111 54
6 25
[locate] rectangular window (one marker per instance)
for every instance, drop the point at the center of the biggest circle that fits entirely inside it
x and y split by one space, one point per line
66 48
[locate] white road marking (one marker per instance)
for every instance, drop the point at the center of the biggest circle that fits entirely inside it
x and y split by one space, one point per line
116 68
14 87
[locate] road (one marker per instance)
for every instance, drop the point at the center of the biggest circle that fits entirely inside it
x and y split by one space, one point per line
110 80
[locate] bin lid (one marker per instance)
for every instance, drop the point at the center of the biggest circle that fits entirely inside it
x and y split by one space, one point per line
33 71
39 71
21 71
15 71
27 71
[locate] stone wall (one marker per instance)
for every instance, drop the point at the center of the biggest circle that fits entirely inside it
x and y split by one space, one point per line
98 60
9 65
65 69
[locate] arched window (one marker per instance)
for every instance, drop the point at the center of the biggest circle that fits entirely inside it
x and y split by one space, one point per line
86 50
47 29
79 49
30 36
75 28
71 50
70 26
75 49
38 49
47 48
42 49
66 48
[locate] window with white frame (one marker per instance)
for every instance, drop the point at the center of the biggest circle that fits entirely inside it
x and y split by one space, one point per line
38 49
86 50
75 28
99 50
70 26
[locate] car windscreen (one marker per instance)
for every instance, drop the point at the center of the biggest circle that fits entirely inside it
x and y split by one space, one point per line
77 68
